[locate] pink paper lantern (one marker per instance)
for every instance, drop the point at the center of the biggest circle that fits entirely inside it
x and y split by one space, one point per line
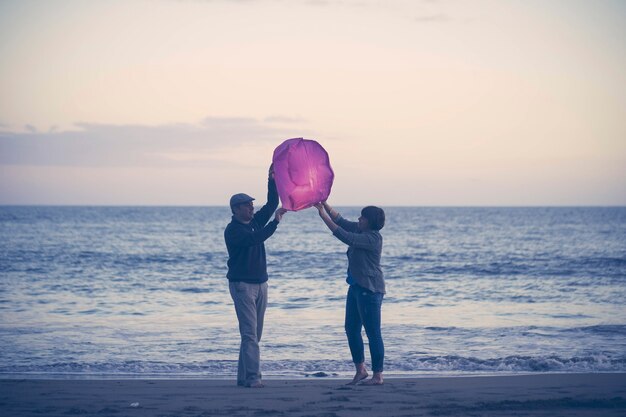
302 172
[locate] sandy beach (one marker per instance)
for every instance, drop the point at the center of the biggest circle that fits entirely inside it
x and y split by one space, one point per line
525 395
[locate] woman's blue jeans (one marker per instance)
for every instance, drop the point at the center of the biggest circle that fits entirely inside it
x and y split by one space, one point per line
363 310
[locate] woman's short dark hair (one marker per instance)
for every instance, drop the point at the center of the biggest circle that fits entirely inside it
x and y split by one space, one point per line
375 217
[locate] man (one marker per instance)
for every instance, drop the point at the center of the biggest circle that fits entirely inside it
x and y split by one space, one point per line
247 274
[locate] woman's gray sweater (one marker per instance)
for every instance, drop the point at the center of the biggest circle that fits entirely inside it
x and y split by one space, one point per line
363 254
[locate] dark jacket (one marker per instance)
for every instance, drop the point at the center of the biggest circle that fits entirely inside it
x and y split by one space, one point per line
244 242
363 253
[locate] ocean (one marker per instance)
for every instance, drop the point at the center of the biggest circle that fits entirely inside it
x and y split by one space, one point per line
141 292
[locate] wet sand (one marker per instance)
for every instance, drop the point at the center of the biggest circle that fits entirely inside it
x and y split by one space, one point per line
523 395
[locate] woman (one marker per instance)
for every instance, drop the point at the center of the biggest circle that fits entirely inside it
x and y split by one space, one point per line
367 286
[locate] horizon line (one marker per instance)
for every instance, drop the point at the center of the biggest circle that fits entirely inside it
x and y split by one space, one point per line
336 205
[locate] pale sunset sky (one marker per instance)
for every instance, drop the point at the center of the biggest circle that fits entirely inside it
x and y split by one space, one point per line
418 102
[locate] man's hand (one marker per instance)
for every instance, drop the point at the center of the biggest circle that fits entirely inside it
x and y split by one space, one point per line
270 173
279 214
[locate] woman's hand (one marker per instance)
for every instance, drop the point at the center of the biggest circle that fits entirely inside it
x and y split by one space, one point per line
327 220
331 212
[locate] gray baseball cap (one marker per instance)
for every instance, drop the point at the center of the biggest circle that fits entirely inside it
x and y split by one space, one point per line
240 199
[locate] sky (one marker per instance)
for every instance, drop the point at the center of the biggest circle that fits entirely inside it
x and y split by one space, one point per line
418 102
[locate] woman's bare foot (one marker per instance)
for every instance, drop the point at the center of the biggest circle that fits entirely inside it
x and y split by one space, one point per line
377 379
361 374
358 378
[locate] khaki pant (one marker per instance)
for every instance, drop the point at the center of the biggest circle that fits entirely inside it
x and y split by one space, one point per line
250 303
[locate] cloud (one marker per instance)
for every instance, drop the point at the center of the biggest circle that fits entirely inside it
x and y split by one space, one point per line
319 2
180 144
284 120
432 18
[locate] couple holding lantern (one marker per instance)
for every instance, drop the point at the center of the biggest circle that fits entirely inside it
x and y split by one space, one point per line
247 275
